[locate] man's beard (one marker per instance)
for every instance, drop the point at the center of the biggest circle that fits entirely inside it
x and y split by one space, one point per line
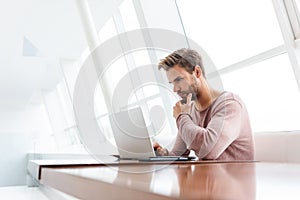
184 100
187 92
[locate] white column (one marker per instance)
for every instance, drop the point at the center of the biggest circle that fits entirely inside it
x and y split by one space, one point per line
93 42
88 24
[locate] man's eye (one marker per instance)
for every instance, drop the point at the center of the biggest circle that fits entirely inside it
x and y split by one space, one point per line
178 79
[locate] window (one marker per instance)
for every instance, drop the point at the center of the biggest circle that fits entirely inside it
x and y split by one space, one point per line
133 15
231 31
244 40
270 92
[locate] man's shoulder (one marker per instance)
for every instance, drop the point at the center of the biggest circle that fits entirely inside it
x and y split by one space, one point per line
227 96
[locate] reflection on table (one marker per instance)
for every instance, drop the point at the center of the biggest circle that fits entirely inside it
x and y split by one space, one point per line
156 181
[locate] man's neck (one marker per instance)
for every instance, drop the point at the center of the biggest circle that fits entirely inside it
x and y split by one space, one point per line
206 98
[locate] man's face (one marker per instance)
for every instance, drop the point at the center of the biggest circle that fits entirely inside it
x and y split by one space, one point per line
183 82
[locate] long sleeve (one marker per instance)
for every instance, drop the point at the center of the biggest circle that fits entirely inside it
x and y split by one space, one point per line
179 148
220 132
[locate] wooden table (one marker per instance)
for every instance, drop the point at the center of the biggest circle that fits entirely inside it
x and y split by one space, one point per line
180 180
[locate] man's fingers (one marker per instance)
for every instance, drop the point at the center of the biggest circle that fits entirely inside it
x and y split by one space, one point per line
161 152
156 146
189 99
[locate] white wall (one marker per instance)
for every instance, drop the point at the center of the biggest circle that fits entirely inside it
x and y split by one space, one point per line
19 128
278 146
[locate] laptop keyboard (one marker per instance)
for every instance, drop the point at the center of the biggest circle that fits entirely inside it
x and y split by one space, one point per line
169 158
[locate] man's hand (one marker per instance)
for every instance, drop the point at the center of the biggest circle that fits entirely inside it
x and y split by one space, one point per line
159 151
182 108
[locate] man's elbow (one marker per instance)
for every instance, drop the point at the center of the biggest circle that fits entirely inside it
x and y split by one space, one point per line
211 156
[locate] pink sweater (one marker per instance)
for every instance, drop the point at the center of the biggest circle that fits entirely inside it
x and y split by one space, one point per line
220 132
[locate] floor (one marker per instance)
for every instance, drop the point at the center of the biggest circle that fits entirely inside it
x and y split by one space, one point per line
22 193
32 193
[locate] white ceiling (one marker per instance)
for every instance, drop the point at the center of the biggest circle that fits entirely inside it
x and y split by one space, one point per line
52 31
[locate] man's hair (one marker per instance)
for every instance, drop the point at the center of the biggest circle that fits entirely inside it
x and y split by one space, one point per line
185 58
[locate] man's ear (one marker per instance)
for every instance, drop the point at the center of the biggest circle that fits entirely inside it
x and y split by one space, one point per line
198 71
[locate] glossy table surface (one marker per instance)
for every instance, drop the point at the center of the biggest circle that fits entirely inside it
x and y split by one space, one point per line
196 180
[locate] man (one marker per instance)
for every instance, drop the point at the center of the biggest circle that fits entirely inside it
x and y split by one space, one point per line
215 125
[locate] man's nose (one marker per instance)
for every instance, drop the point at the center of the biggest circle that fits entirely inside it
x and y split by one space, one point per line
175 88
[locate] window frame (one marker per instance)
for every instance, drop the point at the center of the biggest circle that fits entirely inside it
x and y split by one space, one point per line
292 9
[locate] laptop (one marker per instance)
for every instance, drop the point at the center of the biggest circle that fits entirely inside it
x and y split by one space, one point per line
132 137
